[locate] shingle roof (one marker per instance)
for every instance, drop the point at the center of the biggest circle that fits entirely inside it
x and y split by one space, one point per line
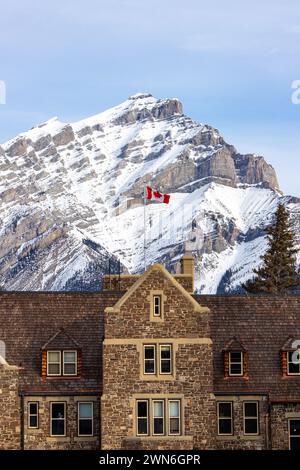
262 324
29 319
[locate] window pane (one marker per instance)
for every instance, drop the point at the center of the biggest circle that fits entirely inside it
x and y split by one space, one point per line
53 369
225 426
236 369
165 352
33 421
149 366
158 426
174 409
149 352
142 408
69 356
250 426
58 427
69 369
165 366
33 408
85 410
142 426
54 356
295 443
295 427
58 410
85 427
158 409
250 409
235 357
225 410
174 425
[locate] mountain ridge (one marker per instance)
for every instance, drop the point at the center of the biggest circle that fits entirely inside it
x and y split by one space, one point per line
68 187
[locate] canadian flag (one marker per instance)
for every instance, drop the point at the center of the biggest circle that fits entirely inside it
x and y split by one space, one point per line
152 194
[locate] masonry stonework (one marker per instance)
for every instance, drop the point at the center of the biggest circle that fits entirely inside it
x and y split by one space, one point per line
9 408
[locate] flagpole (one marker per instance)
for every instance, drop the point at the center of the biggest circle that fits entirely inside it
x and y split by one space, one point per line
144 229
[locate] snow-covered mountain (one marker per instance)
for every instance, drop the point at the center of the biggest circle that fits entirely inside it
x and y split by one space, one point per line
72 198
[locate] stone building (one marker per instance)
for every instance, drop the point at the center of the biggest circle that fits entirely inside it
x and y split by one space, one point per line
146 364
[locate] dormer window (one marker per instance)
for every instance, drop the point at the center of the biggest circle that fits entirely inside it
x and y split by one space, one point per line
236 363
61 363
293 364
290 357
235 359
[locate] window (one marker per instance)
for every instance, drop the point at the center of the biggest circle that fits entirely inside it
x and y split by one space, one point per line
53 363
293 367
225 418
142 418
158 417
158 359
149 359
165 359
294 434
58 419
70 363
85 419
61 363
33 415
174 417
157 306
235 363
251 417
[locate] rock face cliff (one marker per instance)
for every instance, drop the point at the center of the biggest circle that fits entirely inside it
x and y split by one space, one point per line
72 198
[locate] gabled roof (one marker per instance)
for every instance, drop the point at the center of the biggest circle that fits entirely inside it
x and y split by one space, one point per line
157 267
234 345
61 339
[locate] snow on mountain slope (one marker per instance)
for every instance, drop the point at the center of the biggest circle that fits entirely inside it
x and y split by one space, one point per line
72 197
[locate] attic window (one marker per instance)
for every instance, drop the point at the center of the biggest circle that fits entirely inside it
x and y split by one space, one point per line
236 363
61 363
293 364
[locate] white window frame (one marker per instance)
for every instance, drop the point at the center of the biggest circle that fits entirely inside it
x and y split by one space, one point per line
153 401
63 362
289 430
143 417
153 346
56 419
242 364
171 400
171 359
48 363
221 418
89 419
159 297
291 362
29 414
251 417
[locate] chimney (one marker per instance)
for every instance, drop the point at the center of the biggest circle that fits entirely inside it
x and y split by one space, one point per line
188 267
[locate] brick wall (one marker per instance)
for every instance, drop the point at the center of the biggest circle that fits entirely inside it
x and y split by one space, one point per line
9 408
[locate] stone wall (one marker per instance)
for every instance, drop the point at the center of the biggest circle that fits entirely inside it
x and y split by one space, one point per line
280 415
9 408
40 438
126 330
239 440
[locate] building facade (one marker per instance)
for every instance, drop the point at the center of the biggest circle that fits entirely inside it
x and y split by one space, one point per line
146 364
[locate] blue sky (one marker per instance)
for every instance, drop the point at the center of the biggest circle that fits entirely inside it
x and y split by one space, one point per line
230 63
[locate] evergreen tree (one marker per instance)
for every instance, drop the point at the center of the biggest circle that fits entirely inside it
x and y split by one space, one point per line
278 273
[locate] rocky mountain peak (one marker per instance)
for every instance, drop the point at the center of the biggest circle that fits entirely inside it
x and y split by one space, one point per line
72 197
